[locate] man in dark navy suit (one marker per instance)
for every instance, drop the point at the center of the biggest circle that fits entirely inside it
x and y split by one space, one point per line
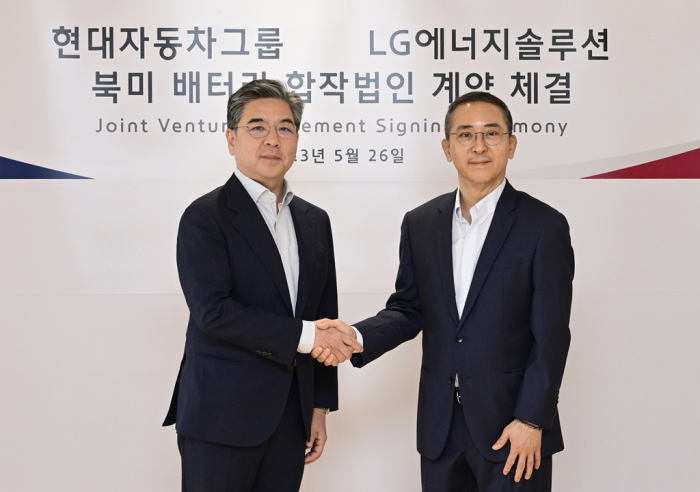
486 274
256 266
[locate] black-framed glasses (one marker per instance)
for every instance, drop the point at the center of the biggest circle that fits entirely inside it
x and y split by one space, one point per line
261 130
491 137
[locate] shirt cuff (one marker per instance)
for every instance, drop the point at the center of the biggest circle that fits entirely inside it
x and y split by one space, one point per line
360 340
308 337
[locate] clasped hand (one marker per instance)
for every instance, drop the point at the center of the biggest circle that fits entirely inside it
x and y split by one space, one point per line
335 342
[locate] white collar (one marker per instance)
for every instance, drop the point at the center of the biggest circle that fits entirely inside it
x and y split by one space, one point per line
260 193
484 208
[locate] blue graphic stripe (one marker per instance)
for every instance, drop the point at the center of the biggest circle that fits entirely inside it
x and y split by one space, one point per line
11 169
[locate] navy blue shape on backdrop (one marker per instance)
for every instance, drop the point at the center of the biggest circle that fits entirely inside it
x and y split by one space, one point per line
11 169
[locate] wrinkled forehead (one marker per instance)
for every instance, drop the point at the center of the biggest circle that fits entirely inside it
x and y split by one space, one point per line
268 110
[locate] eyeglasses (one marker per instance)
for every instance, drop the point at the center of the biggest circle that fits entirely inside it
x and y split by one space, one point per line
491 137
261 130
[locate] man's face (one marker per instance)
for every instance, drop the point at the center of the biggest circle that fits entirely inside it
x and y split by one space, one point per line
267 159
479 165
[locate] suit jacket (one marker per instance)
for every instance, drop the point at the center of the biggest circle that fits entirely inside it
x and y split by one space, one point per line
510 345
242 335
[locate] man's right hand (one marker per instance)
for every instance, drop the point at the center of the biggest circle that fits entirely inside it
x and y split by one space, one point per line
332 353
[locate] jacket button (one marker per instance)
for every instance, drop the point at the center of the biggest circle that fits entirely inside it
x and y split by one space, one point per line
451 381
459 339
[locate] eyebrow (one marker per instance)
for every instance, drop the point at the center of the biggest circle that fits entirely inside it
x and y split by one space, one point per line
487 125
259 120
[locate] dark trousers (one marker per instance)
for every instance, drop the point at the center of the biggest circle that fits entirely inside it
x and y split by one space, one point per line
276 465
461 468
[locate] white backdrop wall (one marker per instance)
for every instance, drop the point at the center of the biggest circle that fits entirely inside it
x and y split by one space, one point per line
92 319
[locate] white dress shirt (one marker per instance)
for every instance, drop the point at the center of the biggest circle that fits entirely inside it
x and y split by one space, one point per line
467 241
278 218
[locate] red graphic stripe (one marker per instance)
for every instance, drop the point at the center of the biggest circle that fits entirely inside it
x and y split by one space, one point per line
681 166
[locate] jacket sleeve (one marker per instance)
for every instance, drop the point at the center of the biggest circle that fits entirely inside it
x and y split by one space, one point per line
553 273
205 276
326 377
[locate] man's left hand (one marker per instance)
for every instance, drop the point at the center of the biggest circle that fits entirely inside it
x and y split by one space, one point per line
318 437
525 446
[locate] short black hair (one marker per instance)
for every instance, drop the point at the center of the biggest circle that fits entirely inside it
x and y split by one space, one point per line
477 96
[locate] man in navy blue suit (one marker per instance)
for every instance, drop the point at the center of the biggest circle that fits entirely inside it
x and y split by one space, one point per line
256 267
486 274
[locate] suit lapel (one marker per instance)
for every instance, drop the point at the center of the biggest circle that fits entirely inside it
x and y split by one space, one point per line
306 240
252 227
500 227
443 247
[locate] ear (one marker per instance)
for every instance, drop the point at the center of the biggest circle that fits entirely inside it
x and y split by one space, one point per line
230 139
446 149
512 144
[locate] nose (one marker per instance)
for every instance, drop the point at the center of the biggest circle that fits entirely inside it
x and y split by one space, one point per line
479 144
272 138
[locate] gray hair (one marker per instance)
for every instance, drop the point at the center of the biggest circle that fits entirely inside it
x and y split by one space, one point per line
262 89
477 96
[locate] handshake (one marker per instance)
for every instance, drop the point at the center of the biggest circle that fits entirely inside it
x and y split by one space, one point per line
335 342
